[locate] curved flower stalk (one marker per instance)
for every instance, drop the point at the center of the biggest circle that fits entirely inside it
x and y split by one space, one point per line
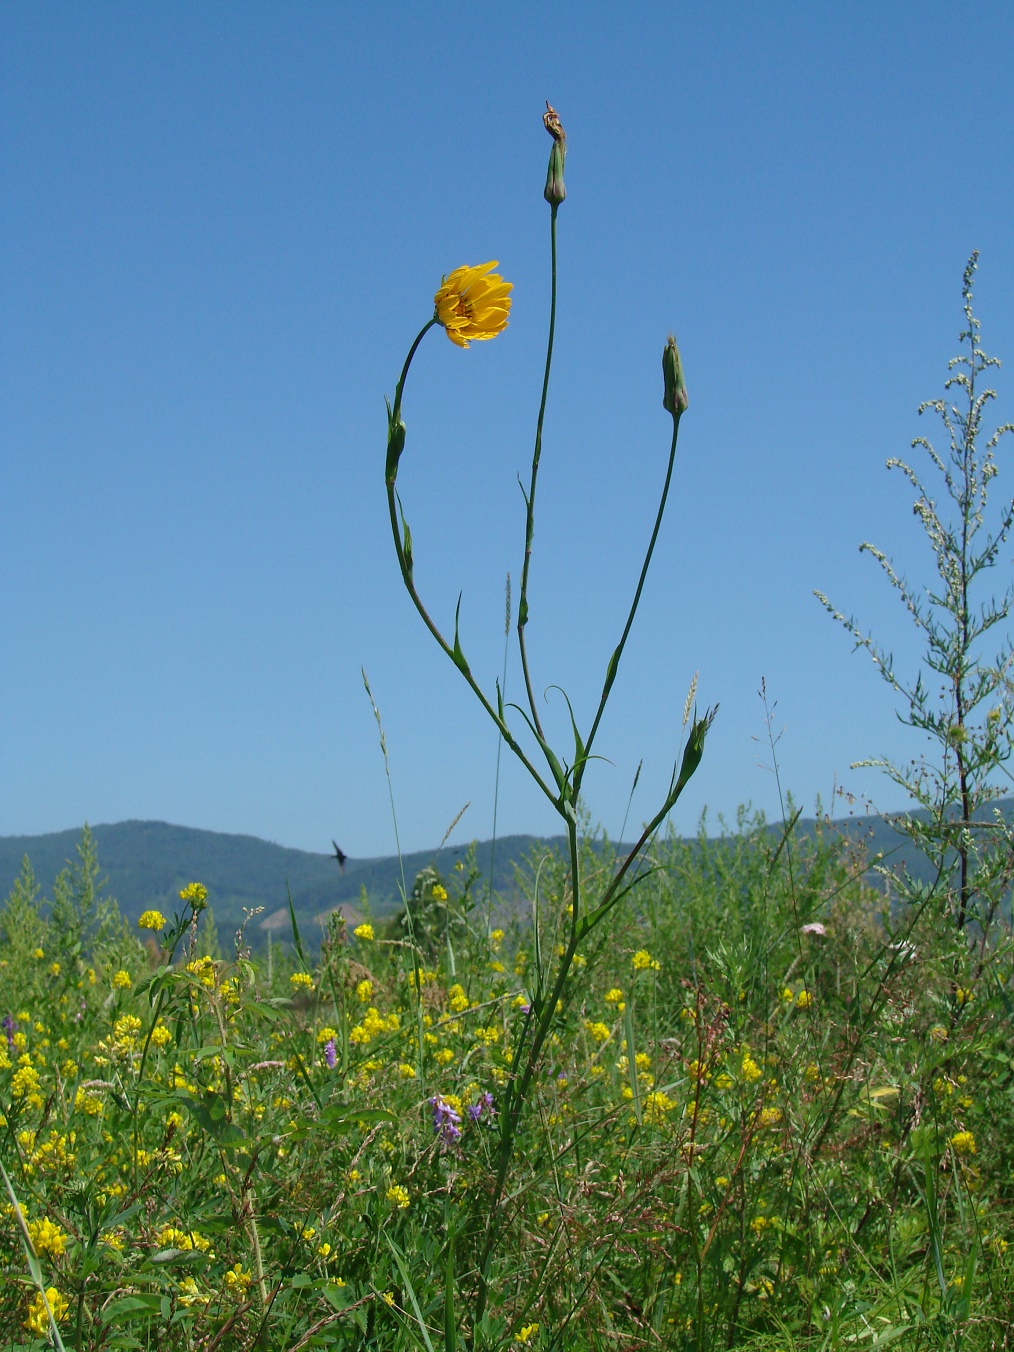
473 303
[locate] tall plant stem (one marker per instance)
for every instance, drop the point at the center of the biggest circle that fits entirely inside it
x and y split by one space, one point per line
518 1091
180 930
614 661
406 572
964 892
530 499
499 749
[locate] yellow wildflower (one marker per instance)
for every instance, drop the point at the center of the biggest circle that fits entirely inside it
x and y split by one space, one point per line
301 981
237 1282
204 970
398 1196
190 1292
363 931
122 981
88 1103
749 1068
643 962
47 1237
151 920
37 1320
196 894
526 1334
458 998
963 1143
656 1106
472 302
364 992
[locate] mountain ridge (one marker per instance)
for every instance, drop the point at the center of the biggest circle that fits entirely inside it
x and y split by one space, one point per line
146 863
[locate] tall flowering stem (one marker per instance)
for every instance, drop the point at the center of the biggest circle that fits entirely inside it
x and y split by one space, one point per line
530 497
403 549
472 304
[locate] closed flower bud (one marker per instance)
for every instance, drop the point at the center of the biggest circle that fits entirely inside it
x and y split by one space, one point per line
675 397
555 192
395 443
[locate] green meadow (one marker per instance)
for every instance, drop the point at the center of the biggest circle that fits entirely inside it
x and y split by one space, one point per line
759 1121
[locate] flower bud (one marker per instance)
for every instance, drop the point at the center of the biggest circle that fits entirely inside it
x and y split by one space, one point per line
675 397
555 192
395 440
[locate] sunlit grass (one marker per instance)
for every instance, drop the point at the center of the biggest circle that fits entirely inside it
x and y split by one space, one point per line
756 1123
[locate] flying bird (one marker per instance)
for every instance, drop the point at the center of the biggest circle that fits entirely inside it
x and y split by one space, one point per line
339 854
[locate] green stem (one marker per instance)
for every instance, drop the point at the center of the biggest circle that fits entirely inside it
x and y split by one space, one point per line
144 1051
408 362
615 659
515 1099
255 1243
406 575
530 501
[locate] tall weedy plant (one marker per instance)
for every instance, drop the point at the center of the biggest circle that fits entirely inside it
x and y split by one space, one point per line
963 700
474 303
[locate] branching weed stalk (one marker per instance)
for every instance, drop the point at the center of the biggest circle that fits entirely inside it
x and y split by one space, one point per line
967 716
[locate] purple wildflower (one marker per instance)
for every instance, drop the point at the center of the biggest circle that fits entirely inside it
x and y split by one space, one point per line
330 1055
446 1122
484 1104
8 1025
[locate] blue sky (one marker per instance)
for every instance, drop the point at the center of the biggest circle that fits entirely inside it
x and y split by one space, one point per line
223 227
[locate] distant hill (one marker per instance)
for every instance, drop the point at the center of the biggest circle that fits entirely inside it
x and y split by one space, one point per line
146 863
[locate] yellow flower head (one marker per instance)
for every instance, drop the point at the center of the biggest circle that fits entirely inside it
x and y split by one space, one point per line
153 920
471 304
237 1281
47 1237
963 1143
37 1319
196 894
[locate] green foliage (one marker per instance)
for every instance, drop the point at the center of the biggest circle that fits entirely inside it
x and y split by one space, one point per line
762 1120
81 920
962 699
21 925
